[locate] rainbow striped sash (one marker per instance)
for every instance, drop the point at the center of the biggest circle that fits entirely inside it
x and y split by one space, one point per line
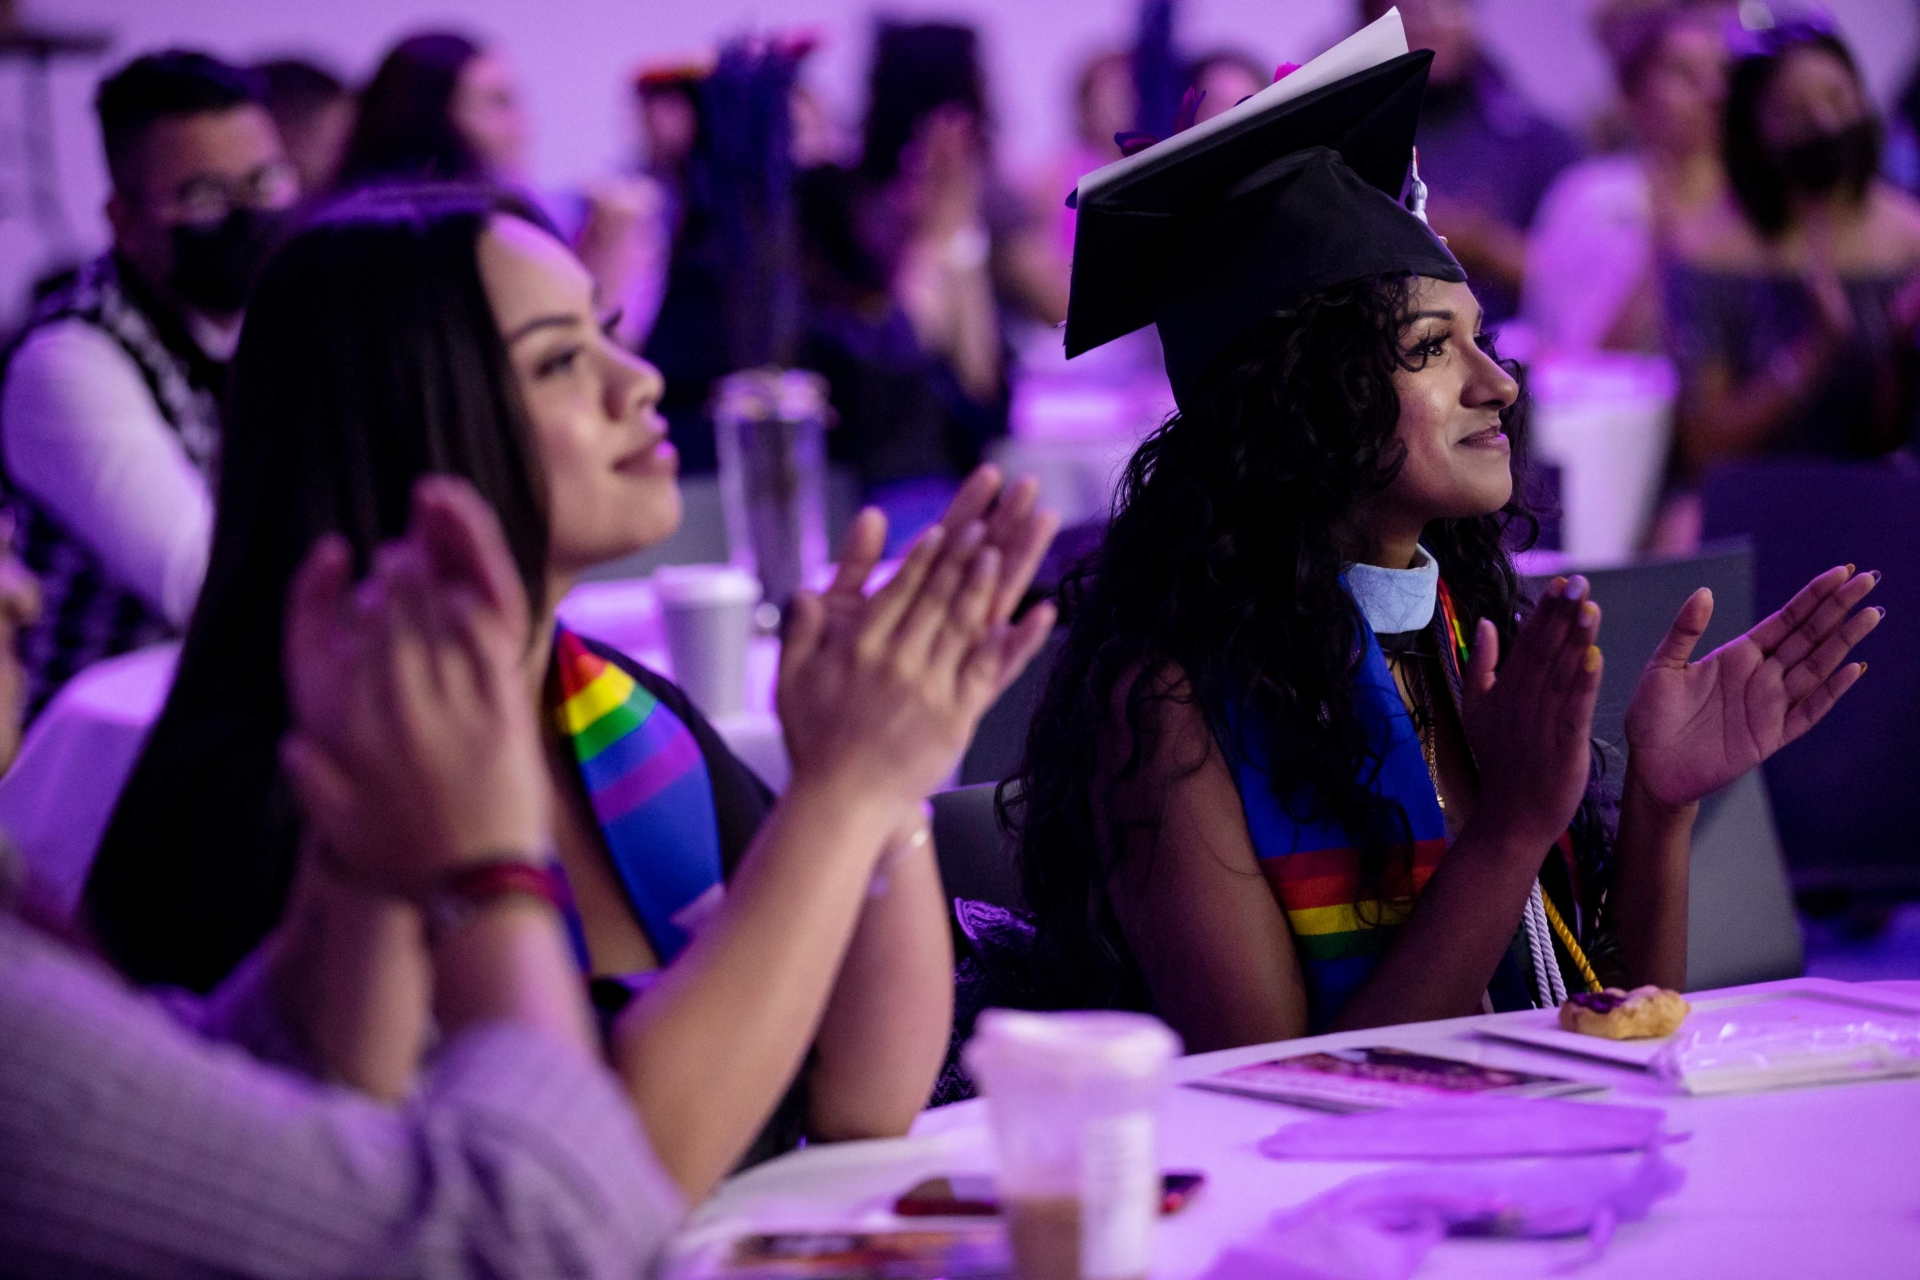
1313 867
648 784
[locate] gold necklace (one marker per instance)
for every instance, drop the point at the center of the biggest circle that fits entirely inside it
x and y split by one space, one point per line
1424 725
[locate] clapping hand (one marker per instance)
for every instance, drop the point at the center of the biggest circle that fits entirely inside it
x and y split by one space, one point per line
414 747
1014 525
883 693
1530 722
1694 727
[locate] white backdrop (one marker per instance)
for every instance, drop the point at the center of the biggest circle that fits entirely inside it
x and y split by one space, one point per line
572 56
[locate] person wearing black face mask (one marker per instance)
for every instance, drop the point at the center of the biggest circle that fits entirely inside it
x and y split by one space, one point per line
214 265
110 406
1792 311
1843 160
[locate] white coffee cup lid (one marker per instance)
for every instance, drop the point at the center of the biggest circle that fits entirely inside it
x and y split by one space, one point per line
705 584
1091 1043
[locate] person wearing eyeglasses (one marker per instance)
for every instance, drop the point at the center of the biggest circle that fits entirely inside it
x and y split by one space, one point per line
109 408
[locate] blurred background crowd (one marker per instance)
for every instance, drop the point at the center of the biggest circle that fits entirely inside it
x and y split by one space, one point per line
1693 223
1610 180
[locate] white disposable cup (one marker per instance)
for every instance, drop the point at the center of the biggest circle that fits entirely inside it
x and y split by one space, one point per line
1074 1100
706 611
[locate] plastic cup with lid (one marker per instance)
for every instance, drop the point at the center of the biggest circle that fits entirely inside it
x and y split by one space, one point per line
1073 1101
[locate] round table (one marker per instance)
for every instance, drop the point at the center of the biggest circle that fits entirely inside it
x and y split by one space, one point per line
1803 1182
56 800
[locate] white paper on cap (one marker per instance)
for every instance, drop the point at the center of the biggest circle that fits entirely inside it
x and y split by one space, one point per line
1380 41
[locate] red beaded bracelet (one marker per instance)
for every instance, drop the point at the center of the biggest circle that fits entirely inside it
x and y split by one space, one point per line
465 890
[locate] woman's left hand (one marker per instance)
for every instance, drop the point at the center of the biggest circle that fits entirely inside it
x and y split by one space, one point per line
1694 727
1015 525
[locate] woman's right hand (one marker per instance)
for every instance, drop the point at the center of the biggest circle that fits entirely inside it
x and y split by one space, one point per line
1530 723
414 748
881 697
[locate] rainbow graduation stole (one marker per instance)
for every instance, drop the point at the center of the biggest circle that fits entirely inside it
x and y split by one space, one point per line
1313 867
647 781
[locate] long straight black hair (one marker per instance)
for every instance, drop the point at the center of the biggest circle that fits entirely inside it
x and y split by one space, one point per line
404 127
370 357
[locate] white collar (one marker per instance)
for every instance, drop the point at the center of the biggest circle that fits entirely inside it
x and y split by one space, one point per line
219 339
1396 600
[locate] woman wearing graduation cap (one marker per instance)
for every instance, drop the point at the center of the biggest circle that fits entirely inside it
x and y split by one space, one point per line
1308 760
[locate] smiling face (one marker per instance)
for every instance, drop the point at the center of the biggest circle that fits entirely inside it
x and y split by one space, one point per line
593 405
1458 459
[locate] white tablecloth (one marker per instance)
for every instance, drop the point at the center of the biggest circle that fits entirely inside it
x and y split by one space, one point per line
56 800
1806 1182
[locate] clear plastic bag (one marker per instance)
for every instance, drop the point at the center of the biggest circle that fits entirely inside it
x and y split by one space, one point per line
1754 1047
1379 1226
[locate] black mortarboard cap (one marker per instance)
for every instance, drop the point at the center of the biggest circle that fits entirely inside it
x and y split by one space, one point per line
1211 231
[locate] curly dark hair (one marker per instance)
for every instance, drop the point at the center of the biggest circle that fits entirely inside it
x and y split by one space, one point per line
1223 559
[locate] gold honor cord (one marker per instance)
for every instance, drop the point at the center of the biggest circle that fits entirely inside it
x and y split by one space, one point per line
1573 948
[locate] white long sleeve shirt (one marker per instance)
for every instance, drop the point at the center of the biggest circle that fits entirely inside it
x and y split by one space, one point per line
85 439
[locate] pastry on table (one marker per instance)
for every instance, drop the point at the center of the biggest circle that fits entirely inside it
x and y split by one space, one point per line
1640 1014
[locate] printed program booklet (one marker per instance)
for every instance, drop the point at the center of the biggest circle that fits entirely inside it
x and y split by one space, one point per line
1375 1077
957 1253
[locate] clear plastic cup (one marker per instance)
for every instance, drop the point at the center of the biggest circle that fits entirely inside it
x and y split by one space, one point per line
1074 1099
706 611
770 436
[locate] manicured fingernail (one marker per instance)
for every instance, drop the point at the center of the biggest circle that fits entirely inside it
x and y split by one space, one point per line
1875 575
1576 588
1589 614
1556 586
1881 610
1863 670
1849 571
1593 657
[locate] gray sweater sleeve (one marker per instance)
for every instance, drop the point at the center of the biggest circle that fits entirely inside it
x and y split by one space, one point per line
131 1146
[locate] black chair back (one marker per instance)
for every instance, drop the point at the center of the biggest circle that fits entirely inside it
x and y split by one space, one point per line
978 858
1638 603
1001 739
